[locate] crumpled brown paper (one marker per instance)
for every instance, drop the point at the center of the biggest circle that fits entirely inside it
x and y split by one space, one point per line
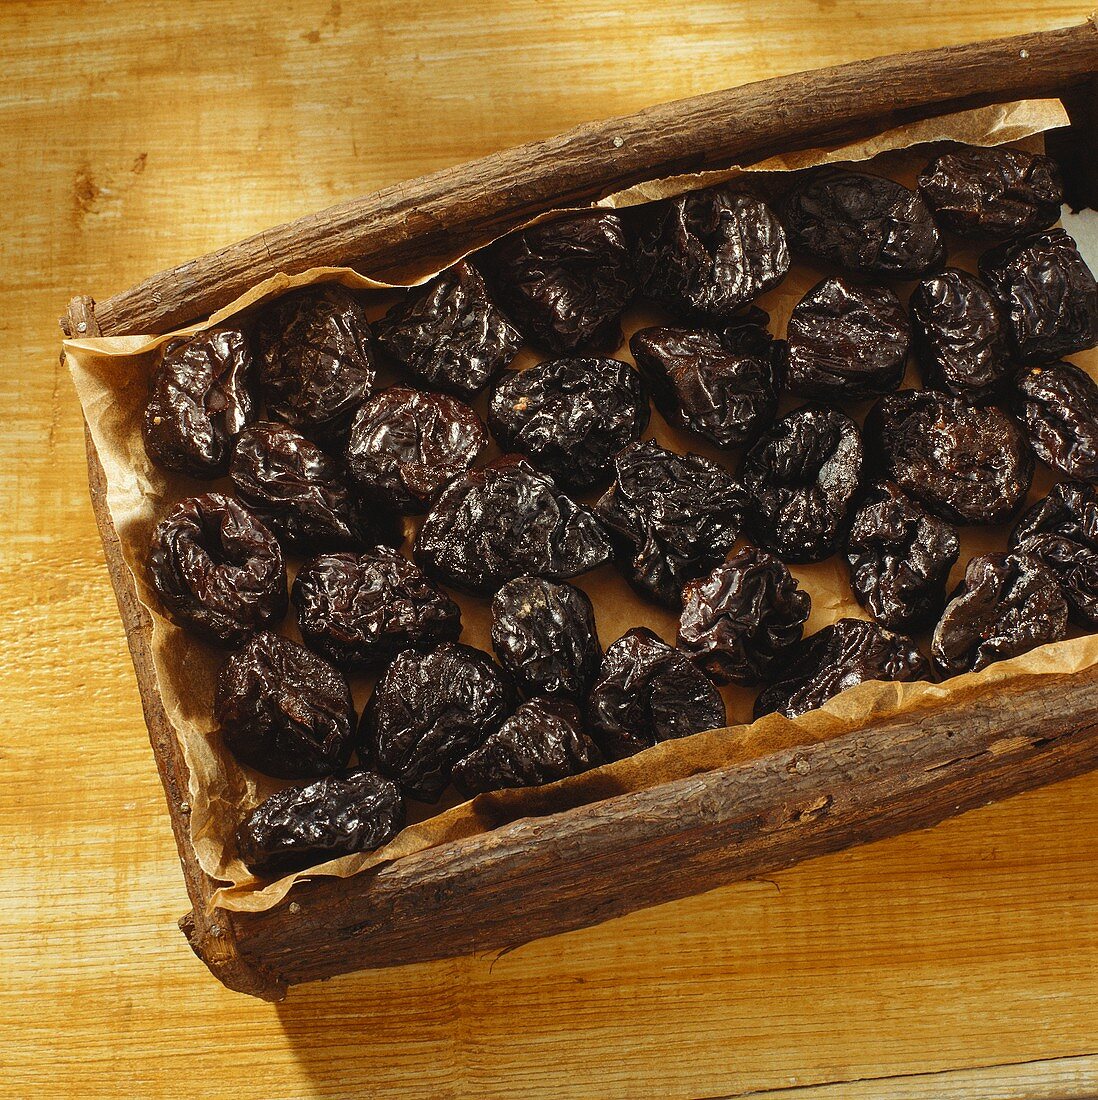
111 378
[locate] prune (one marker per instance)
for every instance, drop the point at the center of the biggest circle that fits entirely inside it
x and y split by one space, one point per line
1062 532
1059 408
672 516
740 622
449 334
541 742
867 224
566 283
316 363
544 636
841 656
284 711
725 390
959 338
359 611
199 398
1049 295
570 416
966 465
982 192
846 342
709 253
504 520
801 478
356 811
429 710
900 557
302 494
405 445
646 692
1006 605
217 570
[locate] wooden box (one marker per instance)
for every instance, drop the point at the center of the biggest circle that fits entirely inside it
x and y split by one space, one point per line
540 876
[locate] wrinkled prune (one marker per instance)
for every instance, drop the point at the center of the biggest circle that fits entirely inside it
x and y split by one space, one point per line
449 334
725 390
709 253
966 465
1006 605
801 478
316 363
359 611
672 516
504 520
541 742
959 338
356 811
566 283
284 711
217 570
544 636
570 416
740 622
900 557
984 192
846 342
1059 408
646 692
405 445
199 398
866 224
841 656
1049 295
429 710
302 494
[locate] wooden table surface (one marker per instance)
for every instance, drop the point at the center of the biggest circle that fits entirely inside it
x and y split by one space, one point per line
957 962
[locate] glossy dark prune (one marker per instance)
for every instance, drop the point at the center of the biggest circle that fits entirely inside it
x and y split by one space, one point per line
846 342
428 711
709 253
570 416
300 827
740 622
966 465
405 445
900 557
217 570
992 192
1007 604
505 520
543 741
360 610
1061 531
1058 405
841 656
959 337
316 361
801 478
672 517
200 397
1048 294
646 692
449 334
869 225
283 710
303 495
565 283
725 390
544 636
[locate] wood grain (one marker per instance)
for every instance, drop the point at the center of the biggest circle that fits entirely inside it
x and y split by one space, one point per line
137 140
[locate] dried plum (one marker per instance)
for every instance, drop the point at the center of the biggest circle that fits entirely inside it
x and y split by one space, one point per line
1059 408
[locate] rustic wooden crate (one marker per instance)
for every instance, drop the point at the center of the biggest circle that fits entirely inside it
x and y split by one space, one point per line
536 877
